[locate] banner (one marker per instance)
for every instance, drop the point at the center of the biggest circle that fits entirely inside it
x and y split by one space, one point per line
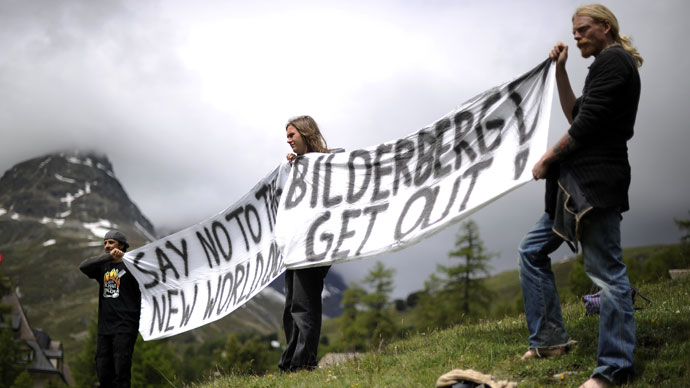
348 206
330 208
205 272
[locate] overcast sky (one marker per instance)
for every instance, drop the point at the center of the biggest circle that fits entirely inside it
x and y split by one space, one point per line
189 99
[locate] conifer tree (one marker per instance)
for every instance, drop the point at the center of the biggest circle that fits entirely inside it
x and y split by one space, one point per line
250 355
431 311
354 336
24 381
11 365
684 225
367 319
463 287
378 318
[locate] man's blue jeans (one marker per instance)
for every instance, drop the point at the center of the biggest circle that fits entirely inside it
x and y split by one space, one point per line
601 249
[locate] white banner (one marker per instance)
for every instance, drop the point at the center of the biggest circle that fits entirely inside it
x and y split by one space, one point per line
205 272
348 206
345 206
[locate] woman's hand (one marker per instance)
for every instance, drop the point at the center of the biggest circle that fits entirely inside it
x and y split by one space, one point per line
291 157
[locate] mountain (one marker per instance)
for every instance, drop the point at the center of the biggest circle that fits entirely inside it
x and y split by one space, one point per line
54 212
75 192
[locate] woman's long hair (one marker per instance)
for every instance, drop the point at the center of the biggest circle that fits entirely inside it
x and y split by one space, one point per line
600 14
309 130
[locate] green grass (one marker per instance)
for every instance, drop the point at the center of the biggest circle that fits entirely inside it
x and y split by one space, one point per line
494 347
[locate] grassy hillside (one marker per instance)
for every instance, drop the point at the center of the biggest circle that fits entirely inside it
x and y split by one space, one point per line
507 293
494 347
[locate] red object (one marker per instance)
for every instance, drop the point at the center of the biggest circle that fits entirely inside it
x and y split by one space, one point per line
2 258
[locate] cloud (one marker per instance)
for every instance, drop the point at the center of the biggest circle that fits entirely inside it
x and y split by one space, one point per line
189 100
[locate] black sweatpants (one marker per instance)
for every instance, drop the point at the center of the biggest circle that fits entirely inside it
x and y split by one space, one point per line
302 317
114 359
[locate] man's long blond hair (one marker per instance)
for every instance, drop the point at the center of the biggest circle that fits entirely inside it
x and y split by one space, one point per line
309 130
601 14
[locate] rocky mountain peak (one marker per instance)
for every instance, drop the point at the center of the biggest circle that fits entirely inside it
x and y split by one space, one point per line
71 190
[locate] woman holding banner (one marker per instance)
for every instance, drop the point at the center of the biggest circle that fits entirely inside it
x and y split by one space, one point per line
303 287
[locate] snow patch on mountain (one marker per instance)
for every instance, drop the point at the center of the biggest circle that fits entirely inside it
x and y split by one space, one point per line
88 162
64 179
69 197
99 228
46 161
47 220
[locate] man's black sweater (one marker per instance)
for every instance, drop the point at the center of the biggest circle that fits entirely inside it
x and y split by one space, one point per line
603 121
